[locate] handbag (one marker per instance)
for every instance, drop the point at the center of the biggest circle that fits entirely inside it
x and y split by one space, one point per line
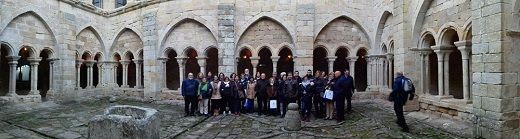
247 105
272 104
329 94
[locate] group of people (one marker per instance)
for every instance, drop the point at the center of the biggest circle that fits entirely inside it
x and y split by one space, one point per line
236 94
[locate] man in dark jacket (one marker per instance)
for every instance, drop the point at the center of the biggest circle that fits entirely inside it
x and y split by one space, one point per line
343 88
290 92
399 96
261 94
189 92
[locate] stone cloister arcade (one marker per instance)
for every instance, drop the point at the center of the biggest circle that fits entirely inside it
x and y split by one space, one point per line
460 54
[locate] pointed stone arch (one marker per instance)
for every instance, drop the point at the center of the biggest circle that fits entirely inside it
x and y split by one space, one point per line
188 32
350 31
27 11
266 16
351 18
380 27
163 36
418 21
127 39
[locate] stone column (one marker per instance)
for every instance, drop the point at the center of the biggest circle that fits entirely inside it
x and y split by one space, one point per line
138 63
369 74
275 62
114 71
465 50
79 62
202 64
90 73
51 75
331 60
442 51
254 62
424 54
101 70
125 73
13 62
34 62
163 61
182 61
385 72
390 58
352 65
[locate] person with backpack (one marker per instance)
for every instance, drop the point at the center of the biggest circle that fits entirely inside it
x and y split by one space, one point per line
204 92
402 87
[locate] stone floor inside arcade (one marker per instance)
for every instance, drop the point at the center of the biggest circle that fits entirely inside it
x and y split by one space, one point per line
370 119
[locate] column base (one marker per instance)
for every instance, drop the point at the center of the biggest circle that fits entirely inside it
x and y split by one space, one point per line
34 92
125 86
78 88
138 87
113 85
89 87
442 97
12 94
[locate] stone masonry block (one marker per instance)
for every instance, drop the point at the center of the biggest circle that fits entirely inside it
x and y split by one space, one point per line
493 67
492 78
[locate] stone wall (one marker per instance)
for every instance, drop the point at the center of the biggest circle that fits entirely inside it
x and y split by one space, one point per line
387 29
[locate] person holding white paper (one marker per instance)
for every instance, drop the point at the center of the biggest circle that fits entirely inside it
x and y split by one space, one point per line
306 99
272 94
329 103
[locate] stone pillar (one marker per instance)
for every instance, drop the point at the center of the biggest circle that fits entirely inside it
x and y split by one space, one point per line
13 62
226 37
465 50
390 58
34 62
292 118
202 63
352 65
331 60
90 73
275 62
163 62
79 62
424 54
138 63
101 81
385 72
51 75
442 51
125 73
369 74
254 62
182 61
114 71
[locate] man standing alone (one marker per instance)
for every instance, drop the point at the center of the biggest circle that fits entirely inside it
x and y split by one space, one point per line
399 96
343 88
189 92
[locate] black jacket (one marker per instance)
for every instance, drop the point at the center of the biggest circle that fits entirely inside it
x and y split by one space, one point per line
261 88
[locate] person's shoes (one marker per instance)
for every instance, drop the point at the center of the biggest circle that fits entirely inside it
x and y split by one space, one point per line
192 114
406 130
282 116
186 115
349 112
259 114
307 119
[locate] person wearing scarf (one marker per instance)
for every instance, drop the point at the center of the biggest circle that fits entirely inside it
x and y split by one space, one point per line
205 90
226 90
306 94
216 98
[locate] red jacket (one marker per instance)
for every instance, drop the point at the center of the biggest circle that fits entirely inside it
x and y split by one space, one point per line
272 91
